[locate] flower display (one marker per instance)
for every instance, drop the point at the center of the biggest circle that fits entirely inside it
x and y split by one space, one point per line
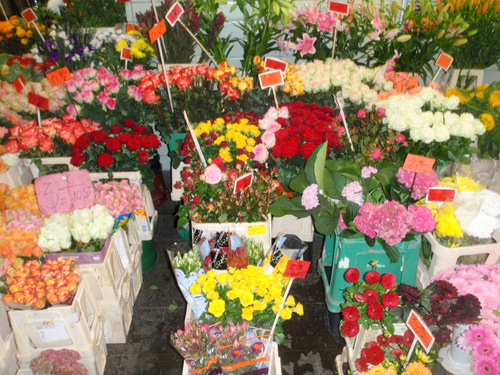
58 361
232 149
127 147
16 35
33 284
119 198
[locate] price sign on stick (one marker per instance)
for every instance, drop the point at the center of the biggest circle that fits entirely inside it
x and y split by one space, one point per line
444 61
59 76
64 192
122 1
418 164
243 182
19 83
271 79
131 27
157 31
339 7
275 64
440 195
28 15
174 13
38 101
125 54
421 331
297 268
406 85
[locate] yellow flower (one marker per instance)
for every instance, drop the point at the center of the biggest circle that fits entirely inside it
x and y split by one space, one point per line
286 313
246 298
447 224
422 357
209 286
417 368
299 309
24 41
456 92
232 294
487 120
222 277
247 313
217 307
201 279
212 295
212 274
259 305
122 43
462 183
495 99
195 289
290 301
20 32
243 158
257 59
137 53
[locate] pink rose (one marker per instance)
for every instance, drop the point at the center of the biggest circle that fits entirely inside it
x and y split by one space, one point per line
376 154
269 139
273 127
3 131
213 174
261 153
361 113
400 138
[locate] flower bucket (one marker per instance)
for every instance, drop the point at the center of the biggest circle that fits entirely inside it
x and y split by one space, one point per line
149 256
121 220
455 359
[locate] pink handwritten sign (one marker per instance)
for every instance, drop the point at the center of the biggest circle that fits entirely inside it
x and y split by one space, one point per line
174 13
64 192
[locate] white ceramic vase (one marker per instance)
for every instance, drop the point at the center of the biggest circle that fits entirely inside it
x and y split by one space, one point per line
455 359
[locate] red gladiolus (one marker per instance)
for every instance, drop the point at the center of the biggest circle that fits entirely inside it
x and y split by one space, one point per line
390 300
372 277
350 329
133 144
388 280
375 311
113 145
143 156
352 275
350 313
105 160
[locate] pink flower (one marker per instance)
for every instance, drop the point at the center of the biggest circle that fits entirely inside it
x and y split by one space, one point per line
361 113
376 154
400 138
326 22
310 197
261 153
374 35
422 182
273 127
366 172
423 220
306 45
3 131
353 192
213 175
269 139
391 33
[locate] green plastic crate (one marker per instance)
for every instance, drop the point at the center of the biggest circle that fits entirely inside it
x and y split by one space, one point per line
340 254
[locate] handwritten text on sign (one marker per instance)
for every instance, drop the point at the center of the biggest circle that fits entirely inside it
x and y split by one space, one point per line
418 164
126 54
38 101
174 13
59 76
19 83
64 192
157 30
421 331
339 7
444 61
275 64
441 194
271 79
406 84
243 182
296 268
28 15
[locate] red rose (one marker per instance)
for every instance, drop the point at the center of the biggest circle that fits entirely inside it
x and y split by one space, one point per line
372 277
46 144
67 135
290 148
139 129
133 144
99 136
105 160
350 313
115 129
370 295
128 123
178 185
201 69
12 147
124 138
390 300
150 96
143 156
196 199
375 311
82 142
233 93
113 144
307 149
373 353
28 142
350 329
388 280
183 82
352 275
77 156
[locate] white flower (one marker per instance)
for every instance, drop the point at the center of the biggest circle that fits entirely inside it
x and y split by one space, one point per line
55 233
10 159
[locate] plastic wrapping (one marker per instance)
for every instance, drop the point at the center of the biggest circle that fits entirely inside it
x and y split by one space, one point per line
286 247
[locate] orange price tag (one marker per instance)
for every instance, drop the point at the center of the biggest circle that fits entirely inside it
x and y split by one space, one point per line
271 79
122 1
59 76
444 61
275 64
406 85
126 54
38 101
297 268
19 83
418 164
157 30
339 7
131 27
174 13
421 331
28 15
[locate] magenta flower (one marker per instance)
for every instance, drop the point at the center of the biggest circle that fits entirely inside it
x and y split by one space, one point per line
366 172
422 182
306 45
423 220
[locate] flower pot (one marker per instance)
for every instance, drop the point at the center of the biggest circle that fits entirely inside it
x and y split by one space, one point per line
455 359
339 254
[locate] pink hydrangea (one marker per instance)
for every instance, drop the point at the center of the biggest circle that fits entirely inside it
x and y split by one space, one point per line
422 182
310 197
366 221
366 172
423 220
353 192
394 222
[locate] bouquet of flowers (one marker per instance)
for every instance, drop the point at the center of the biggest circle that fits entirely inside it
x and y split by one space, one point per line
52 361
127 147
232 148
364 202
120 198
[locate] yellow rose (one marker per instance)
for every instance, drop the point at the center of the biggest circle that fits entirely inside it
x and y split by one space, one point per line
209 286
487 120
495 99
212 295
232 294
247 313
246 298
222 277
299 309
286 313
259 305
195 289
217 307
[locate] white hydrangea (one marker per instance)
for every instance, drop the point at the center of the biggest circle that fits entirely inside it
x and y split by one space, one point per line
55 234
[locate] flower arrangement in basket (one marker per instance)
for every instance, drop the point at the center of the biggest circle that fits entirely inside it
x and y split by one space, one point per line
232 149
63 361
370 203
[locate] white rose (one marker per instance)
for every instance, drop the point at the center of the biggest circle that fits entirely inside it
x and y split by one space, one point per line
441 133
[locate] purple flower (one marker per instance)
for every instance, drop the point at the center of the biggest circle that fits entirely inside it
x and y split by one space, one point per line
310 197
54 56
423 220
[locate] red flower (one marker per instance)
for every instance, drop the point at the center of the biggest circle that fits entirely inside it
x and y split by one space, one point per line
370 295
361 364
408 338
12 147
105 160
359 297
307 149
373 353
150 96
183 82
128 123
99 136
46 144
124 138
143 156
375 311
372 277
113 144
289 148
233 93
77 156
139 129
115 129
390 300
82 142
398 352
350 329
196 199
133 144
350 313
388 280
28 142
383 340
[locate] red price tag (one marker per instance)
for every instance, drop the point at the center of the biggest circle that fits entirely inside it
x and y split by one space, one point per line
174 13
275 64
297 268
126 54
339 7
441 194
271 79
444 61
418 164
406 85
64 192
59 76
243 183
421 331
157 30
19 83
122 1
131 27
28 15
38 101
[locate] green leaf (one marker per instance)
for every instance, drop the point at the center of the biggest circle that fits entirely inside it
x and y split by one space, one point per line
286 206
326 223
315 166
299 182
392 251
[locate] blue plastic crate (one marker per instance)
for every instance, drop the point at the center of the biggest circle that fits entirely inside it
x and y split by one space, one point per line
340 254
